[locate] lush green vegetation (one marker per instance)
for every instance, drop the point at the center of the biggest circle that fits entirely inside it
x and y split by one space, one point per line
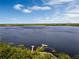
39 24
9 51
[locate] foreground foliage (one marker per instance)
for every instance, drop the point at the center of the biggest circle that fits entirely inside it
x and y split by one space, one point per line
8 51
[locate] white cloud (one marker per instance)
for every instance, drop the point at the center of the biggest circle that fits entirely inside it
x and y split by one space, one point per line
7 18
26 11
30 9
53 2
70 15
18 6
73 12
40 8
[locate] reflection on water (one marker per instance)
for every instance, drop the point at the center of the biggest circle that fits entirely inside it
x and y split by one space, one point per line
60 37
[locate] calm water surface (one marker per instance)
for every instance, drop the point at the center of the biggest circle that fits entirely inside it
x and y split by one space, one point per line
59 37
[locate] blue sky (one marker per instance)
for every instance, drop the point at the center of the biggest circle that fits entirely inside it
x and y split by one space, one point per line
39 11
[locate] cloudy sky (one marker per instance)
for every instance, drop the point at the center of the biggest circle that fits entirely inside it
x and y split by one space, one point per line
39 11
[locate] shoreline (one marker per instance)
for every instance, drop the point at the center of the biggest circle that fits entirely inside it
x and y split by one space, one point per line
39 24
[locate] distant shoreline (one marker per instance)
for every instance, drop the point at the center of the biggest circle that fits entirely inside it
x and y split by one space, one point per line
39 24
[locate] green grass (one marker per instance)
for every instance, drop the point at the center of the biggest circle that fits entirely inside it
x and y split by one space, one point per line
39 24
9 51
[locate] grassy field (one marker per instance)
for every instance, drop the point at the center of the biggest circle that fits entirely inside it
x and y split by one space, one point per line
39 24
10 51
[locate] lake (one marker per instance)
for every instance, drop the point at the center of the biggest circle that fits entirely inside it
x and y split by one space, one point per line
63 38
